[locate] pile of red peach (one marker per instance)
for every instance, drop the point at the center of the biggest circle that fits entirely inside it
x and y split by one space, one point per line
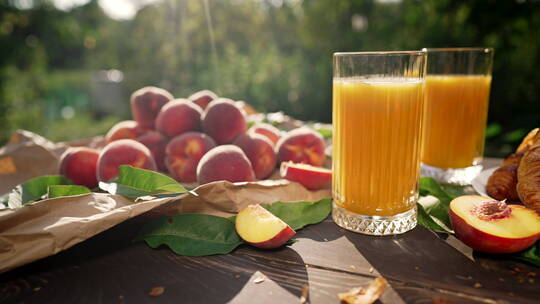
200 139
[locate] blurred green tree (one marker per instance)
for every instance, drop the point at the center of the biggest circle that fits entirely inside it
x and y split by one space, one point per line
275 55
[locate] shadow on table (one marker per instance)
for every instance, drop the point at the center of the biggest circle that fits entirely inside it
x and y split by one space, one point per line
110 268
423 263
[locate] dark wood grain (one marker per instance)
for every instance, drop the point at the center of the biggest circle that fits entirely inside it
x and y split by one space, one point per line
420 266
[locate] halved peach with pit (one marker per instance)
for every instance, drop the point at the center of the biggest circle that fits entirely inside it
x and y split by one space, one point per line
492 226
311 177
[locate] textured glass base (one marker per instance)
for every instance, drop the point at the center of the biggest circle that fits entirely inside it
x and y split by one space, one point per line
374 225
462 176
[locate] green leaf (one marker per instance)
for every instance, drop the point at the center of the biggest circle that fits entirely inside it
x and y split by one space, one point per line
530 255
425 220
454 190
326 133
192 234
135 182
66 190
300 214
515 136
493 130
35 189
439 210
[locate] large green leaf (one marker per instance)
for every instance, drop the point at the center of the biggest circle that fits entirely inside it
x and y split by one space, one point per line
134 182
300 214
530 255
200 234
192 234
66 190
425 220
35 189
439 210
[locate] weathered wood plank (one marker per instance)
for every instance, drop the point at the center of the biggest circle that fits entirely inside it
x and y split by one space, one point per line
420 266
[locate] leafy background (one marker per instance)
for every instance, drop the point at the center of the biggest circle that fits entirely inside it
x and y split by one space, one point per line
68 74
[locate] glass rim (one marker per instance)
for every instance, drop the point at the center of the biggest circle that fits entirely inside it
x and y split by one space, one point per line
379 53
460 49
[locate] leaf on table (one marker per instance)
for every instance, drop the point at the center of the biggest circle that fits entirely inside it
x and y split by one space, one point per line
439 210
66 190
34 189
135 182
530 255
300 214
192 234
427 221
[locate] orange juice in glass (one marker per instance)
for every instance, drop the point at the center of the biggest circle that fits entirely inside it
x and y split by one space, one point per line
458 82
377 116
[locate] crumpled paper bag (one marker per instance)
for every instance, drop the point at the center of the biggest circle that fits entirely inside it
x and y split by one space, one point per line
44 228
29 155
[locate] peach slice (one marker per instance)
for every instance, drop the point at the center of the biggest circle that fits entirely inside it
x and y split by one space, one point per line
311 177
492 226
260 228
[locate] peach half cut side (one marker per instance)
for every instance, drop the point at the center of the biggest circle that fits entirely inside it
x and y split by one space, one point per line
260 228
492 226
311 177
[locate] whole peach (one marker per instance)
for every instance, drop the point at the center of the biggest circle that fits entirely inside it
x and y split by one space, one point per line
267 130
146 103
123 152
79 165
179 116
301 145
224 121
127 129
260 152
184 153
203 98
225 162
156 143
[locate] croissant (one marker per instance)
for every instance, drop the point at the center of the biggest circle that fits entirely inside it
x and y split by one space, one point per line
502 183
530 139
528 186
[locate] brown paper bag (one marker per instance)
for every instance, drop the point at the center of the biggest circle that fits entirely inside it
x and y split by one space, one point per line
44 228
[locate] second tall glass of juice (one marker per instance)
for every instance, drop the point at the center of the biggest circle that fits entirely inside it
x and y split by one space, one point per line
457 93
377 121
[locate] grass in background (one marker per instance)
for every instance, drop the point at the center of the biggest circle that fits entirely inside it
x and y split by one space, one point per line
81 126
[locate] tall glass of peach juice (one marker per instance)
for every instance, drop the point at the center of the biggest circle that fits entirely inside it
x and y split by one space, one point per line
377 117
458 81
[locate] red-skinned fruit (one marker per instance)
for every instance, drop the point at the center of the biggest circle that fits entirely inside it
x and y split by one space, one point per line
266 130
260 228
492 226
127 129
123 152
146 104
203 98
79 165
184 153
226 162
311 177
224 121
260 152
156 143
301 145
177 117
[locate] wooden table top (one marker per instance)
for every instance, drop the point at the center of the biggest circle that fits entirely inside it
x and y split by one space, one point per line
420 266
